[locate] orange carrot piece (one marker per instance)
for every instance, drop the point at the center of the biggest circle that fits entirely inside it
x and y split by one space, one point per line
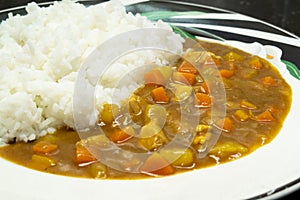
44 147
225 124
119 136
204 88
226 73
154 77
160 95
270 56
273 110
187 67
185 78
157 165
83 155
268 81
203 100
266 116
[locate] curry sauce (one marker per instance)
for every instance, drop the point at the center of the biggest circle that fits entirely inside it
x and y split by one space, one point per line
257 101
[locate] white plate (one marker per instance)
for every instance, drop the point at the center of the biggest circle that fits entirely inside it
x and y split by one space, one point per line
269 172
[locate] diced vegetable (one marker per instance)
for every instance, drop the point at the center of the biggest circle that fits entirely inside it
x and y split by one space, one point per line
187 67
202 128
266 116
152 136
246 104
241 115
136 106
83 155
44 147
160 95
185 78
156 114
122 135
248 73
226 73
166 71
97 170
42 161
232 56
203 100
204 88
255 63
157 165
179 157
232 105
270 56
154 77
273 110
200 139
98 141
268 81
225 124
108 113
228 148
182 92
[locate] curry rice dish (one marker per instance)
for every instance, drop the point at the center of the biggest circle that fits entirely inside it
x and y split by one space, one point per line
257 101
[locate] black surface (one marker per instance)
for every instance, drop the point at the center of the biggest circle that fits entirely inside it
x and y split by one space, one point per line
282 13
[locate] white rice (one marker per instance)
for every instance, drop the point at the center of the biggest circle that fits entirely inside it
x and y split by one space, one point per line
40 54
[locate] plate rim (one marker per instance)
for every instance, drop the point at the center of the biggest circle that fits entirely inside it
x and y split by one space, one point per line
283 190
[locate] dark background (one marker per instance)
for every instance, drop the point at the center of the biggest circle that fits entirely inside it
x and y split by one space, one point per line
282 13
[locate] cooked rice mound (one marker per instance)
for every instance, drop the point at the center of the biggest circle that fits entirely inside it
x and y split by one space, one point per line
41 53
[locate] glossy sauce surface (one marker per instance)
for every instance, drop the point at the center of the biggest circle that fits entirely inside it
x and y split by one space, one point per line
257 102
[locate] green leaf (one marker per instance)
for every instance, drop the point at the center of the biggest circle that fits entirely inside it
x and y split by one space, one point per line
292 68
157 15
182 33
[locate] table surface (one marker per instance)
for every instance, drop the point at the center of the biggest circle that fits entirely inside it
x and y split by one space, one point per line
284 14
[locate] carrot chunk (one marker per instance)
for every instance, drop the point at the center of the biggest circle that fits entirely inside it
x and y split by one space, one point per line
154 77
185 78
269 81
187 67
44 147
204 88
120 136
83 155
266 116
274 110
203 100
160 95
157 165
225 124
270 56
226 73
